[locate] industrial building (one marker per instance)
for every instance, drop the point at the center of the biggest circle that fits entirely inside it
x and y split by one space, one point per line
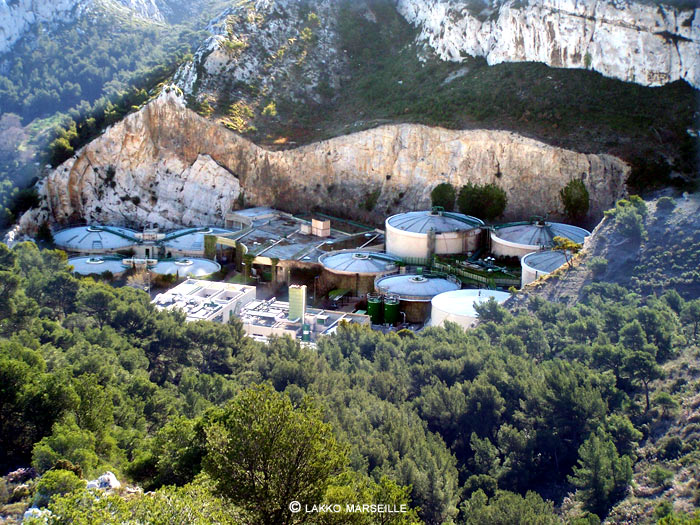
279 242
206 300
535 265
415 292
517 240
355 270
458 306
420 234
272 318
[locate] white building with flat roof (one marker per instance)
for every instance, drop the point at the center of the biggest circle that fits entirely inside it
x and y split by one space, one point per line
206 300
264 319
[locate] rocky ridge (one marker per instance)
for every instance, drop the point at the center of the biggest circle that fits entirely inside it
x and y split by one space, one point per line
264 48
168 166
646 43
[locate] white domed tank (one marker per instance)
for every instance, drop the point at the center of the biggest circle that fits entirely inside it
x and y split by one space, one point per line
420 234
187 267
520 239
95 239
458 306
415 292
189 242
97 265
535 265
356 269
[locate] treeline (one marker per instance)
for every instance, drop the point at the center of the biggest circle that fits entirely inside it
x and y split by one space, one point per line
99 55
551 398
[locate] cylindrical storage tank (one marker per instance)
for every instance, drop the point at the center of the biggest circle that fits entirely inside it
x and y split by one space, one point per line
458 306
95 239
415 292
536 264
391 309
521 239
355 269
374 308
420 234
306 332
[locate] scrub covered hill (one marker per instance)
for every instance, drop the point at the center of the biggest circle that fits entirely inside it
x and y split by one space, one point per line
549 402
93 69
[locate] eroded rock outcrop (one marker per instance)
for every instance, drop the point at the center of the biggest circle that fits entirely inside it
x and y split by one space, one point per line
647 43
167 165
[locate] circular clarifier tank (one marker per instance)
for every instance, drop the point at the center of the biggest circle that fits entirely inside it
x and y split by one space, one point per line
536 264
96 265
421 233
521 239
415 292
95 239
459 306
190 240
187 267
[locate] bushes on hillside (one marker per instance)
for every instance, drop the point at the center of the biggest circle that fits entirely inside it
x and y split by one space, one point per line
486 202
444 195
576 200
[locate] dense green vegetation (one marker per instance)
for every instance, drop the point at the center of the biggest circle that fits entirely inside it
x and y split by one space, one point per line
576 200
444 195
486 201
551 398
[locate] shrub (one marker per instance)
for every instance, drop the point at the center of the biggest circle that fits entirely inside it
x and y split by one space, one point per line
444 195
56 482
576 199
660 476
598 266
486 202
671 448
630 223
666 204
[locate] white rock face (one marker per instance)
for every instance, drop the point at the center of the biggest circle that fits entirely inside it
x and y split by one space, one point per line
17 16
643 43
168 166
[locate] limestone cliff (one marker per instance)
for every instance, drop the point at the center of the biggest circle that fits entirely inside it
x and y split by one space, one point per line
644 42
167 165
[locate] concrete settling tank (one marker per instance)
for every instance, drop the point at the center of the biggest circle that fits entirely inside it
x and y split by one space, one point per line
458 306
95 239
97 265
189 242
520 239
415 292
189 267
536 264
420 234
356 270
